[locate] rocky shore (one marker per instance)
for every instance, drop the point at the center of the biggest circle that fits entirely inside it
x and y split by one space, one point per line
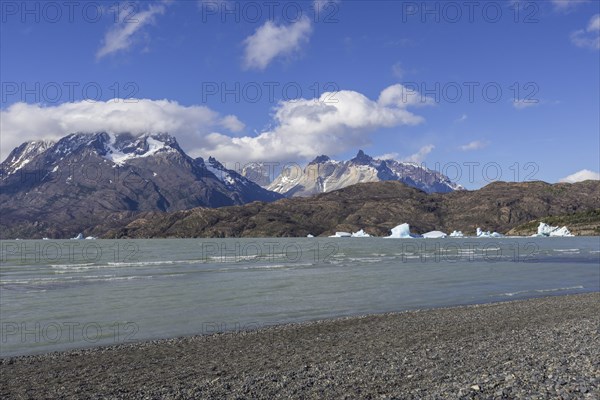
533 349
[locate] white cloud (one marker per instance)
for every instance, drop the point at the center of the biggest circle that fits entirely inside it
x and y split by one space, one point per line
271 41
594 24
307 127
566 5
462 118
232 123
21 121
387 156
302 128
420 155
589 37
523 104
121 36
582 175
474 145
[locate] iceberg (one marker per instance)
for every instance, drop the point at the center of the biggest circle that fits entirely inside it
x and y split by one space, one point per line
78 237
457 234
401 232
309 236
341 234
360 233
545 230
434 235
488 234
90 238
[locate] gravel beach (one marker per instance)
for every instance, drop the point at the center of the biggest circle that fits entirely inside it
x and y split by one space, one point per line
533 349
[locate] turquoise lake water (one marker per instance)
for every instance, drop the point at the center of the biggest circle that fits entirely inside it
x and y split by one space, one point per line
62 294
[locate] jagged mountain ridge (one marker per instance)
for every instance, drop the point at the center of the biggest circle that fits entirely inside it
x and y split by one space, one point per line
324 175
59 188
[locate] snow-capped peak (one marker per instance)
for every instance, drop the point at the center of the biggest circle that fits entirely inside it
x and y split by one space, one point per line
23 154
119 150
324 175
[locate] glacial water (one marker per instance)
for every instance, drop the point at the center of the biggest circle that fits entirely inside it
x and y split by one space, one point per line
56 295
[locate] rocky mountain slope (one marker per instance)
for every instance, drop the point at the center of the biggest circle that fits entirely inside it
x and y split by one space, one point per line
376 208
324 175
83 180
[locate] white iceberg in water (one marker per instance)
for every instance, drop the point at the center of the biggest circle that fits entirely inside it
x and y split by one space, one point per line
309 236
360 233
434 235
545 230
457 234
78 237
90 238
341 234
488 234
401 232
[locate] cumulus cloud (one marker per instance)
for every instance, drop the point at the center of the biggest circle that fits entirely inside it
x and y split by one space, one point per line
420 155
271 41
121 36
21 121
301 128
582 175
590 36
474 145
308 127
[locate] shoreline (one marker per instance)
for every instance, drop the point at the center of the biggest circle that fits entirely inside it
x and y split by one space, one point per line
286 326
408 354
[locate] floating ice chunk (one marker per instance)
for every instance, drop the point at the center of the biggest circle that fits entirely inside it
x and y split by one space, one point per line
457 234
488 234
481 233
341 234
434 235
309 236
78 237
45 238
545 230
360 233
401 232
90 238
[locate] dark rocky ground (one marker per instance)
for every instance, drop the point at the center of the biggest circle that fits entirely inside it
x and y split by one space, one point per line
546 348
377 207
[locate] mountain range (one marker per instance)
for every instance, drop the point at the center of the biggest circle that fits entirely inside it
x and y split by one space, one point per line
324 175
60 188
122 185
57 189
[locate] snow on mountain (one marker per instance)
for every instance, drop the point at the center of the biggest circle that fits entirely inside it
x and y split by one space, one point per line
22 155
227 176
120 172
324 175
144 146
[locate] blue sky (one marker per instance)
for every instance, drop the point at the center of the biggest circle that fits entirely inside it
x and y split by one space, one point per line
468 88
